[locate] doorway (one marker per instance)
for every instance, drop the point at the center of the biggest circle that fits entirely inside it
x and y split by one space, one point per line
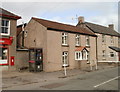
36 56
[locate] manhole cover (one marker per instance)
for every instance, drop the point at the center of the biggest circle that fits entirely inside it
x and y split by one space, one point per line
54 85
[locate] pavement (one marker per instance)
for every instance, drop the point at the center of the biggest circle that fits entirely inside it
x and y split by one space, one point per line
76 79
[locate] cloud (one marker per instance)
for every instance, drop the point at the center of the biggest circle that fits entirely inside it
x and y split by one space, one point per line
98 12
105 21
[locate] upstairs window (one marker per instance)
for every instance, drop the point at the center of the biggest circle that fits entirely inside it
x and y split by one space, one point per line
84 55
112 40
64 38
87 41
103 38
5 27
103 54
77 40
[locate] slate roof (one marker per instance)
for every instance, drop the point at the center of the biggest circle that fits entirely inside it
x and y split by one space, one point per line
101 29
7 14
63 27
115 48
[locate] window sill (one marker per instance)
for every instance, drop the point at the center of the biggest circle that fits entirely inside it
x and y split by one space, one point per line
88 62
87 46
65 45
65 65
104 59
2 34
81 60
77 45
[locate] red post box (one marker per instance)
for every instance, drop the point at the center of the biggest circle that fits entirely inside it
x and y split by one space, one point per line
12 61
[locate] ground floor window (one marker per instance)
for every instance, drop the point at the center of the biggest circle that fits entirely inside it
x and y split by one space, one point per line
65 58
3 56
81 55
111 54
78 55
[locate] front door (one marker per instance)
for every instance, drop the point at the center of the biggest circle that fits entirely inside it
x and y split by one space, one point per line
36 57
39 59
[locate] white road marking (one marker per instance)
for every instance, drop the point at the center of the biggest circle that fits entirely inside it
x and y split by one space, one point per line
106 81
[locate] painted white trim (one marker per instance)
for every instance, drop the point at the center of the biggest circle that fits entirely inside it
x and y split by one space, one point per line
4 34
106 82
65 64
65 41
79 55
65 44
108 61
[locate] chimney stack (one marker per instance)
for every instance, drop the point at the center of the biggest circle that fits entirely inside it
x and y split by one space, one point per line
81 19
111 26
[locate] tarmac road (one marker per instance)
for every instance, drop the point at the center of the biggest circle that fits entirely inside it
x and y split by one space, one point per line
98 80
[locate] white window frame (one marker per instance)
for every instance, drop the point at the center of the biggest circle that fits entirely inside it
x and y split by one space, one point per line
79 55
6 34
84 52
77 40
87 41
64 38
64 60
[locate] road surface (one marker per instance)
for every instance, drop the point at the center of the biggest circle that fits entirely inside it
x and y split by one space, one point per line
98 80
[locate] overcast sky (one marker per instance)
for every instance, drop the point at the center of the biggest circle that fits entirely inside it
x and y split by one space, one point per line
102 13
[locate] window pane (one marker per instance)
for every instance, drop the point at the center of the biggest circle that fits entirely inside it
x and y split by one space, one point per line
6 30
3 55
79 55
84 54
65 58
6 23
87 41
3 23
3 30
62 40
76 55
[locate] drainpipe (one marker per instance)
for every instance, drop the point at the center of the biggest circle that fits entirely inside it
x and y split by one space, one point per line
96 53
23 35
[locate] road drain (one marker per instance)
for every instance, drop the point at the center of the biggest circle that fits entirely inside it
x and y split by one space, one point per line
54 85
